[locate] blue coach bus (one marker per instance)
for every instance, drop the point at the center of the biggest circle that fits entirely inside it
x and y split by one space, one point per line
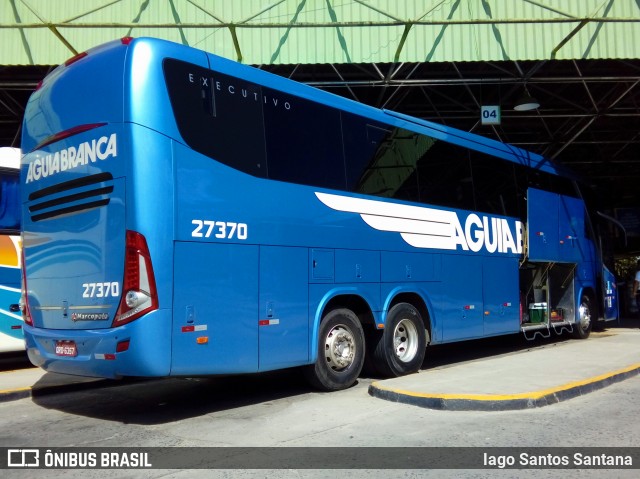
188 215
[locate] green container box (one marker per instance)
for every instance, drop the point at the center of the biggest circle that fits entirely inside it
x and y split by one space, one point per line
538 313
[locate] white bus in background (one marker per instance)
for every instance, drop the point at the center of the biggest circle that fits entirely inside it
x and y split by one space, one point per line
11 334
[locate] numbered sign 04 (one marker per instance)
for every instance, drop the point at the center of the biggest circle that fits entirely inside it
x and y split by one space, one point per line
490 115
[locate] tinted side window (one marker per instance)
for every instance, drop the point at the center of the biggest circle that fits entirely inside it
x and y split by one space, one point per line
271 134
362 141
494 185
382 160
445 177
218 115
532 178
304 141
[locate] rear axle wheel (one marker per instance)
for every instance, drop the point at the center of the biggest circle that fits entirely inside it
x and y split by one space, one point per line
340 351
400 349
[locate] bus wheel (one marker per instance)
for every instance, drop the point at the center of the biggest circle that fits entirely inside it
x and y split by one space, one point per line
340 352
586 316
401 348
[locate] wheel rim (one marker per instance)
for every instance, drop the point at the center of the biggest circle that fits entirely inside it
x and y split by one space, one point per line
340 348
585 316
405 340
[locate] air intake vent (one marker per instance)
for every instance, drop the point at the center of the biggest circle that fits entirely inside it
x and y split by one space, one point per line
70 197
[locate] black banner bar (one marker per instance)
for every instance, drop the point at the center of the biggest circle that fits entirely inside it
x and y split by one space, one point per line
320 458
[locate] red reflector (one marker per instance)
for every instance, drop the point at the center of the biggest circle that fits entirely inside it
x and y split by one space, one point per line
67 133
16 327
122 346
263 322
110 357
72 60
188 329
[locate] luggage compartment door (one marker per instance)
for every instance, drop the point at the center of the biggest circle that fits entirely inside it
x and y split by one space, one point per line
215 311
542 222
555 227
284 307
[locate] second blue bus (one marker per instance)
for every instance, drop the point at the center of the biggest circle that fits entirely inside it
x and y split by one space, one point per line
11 336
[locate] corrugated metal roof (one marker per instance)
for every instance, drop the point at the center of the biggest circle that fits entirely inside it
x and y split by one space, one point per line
47 32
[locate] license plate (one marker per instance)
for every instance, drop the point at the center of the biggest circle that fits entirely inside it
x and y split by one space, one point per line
66 348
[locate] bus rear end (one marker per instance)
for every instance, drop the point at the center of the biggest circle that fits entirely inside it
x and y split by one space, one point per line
90 301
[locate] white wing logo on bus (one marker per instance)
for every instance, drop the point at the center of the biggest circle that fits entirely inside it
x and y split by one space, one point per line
423 227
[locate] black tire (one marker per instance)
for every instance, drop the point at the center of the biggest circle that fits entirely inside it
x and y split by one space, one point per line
340 352
586 317
400 349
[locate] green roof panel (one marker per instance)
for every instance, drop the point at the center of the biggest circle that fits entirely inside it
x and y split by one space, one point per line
45 32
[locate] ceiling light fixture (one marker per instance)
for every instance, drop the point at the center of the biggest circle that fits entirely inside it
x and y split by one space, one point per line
526 103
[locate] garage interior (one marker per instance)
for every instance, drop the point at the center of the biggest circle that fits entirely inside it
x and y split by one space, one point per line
587 86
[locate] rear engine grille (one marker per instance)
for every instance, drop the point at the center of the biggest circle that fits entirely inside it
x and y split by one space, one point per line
70 197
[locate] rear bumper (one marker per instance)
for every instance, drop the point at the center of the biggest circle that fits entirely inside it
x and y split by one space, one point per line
148 355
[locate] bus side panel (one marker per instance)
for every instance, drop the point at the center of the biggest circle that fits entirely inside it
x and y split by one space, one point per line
398 267
462 298
501 295
215 312
357 266
283 310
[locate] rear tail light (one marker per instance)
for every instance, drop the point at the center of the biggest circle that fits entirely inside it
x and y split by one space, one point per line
139 295
76 58
24 297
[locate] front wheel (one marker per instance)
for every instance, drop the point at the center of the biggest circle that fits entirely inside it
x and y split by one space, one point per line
586 316
340 352
401 347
